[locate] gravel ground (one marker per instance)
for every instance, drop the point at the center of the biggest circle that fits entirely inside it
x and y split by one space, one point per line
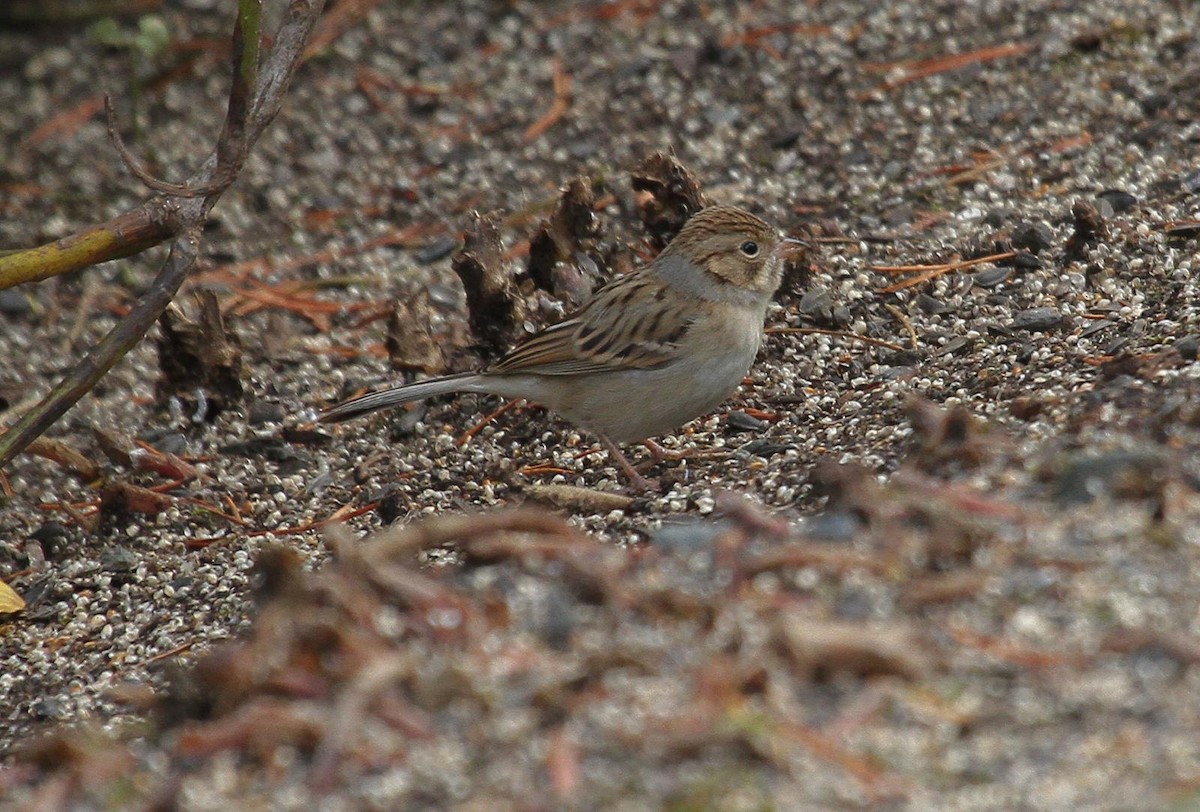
1033 424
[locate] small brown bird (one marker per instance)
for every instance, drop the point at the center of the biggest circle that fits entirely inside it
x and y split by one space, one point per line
650 351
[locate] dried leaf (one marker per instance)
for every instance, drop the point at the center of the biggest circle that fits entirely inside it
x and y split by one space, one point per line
410 342
200 361
10 601
58 451
560 249
125 497
495 309
667 195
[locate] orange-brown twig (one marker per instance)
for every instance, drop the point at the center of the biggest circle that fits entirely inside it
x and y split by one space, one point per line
340 515
928 272
559 105
912 71
466 436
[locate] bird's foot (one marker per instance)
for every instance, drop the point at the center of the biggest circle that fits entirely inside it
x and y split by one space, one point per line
637 482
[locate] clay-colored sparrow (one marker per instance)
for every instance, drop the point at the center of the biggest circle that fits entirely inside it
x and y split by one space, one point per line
650 351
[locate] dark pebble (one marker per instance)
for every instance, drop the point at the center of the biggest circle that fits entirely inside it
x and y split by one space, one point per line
1033 237
899 372
50 708
931 305
816 303
14 303
1117 201
898 215
764 448
263 412
1025 261
171 442
854 604
786 139
1188 347
833 525
436 250
1190 182
1096 327
1117 345
740 421
953 346
1037 318
118 559
991 277
1121 473
688 536
1155 103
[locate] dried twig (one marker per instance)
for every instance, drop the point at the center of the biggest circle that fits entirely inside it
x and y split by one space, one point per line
928 272
914 70
178 213
558 106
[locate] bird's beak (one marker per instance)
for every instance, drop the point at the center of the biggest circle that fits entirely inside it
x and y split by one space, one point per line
789 246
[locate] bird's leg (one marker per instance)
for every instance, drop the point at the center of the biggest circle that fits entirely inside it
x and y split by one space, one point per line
636 480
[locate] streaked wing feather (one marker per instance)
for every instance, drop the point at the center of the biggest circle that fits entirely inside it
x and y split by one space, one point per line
606 334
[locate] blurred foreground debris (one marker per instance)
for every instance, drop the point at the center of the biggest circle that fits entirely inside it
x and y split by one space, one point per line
750 644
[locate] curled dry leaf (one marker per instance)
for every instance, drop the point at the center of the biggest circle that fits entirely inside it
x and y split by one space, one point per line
115 445
200 359
10 601
1090 228
125 497
947 436
410 342
58 451
495 309
667 194
561 249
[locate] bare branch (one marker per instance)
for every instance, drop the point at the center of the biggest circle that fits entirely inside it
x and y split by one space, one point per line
111 348
138 168
124 235
254 100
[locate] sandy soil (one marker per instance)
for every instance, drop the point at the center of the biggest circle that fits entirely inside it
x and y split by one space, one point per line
966 573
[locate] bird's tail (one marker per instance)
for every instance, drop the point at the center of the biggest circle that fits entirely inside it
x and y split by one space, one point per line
397 395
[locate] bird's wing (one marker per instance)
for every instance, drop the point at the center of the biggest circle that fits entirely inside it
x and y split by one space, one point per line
631 323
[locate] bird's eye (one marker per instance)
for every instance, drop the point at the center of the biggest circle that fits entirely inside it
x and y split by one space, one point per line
749 248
